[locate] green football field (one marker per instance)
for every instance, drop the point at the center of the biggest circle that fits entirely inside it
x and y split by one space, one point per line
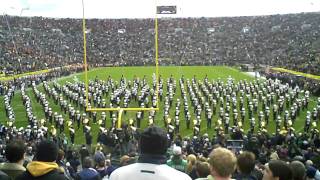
213 73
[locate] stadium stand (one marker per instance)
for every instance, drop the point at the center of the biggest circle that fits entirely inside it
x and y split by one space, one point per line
290 41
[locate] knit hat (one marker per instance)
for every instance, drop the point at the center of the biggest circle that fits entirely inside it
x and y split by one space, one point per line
153 141
98 157
176 150
47 151
311 172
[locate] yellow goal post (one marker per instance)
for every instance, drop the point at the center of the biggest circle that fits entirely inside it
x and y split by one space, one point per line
119 109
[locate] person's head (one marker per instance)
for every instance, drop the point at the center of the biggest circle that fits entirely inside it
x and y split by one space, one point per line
101 163
87 163
222 162
108 162
274 156
202 169
309 163
246 162
15 151
177 151
47 151
29 150
192 159
60 155
277 170
153 141
312 173
124 160
298 170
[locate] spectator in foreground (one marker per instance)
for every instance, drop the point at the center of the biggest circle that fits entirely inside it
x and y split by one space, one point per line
125 160
223 163
151 165
176 161
312 173
202 170
101 167
191 167
277 170
44 166
110 167
88 173
191 159
246 167
14 152
84 152
298 170
4 176
62 164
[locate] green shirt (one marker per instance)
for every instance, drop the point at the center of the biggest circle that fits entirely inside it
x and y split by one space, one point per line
178 164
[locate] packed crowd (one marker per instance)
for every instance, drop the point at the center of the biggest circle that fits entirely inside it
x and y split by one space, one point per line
290 41
27 80
239 113
158 158
254 120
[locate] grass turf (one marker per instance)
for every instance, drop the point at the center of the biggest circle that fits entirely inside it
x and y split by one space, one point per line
213 73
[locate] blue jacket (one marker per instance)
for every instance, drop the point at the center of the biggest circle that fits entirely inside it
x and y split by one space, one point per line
88 174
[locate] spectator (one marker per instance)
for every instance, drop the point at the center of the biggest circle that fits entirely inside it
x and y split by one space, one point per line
71 171
222 162
246 167
15 152
88 173
44 166
298 170
176 160
102 168
274 156
277 169
110 167
98 155
62 164
203 170
312 173
74 162
84 152
124 160
4 176
29 155
191 159
151 163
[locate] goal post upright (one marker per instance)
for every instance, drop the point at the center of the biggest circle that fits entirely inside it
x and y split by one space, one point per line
85 55
119 109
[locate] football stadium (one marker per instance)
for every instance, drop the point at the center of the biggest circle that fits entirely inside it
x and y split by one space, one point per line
159 90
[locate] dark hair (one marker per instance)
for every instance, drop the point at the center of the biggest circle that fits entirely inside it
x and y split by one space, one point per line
246 162
47 151
87 162
15 151
153 140
280 169
298 170
101 163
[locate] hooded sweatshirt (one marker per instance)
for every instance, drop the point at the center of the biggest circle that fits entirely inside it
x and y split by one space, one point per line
39 168
42 171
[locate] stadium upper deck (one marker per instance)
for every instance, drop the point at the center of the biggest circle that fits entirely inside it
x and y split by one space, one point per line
290 41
